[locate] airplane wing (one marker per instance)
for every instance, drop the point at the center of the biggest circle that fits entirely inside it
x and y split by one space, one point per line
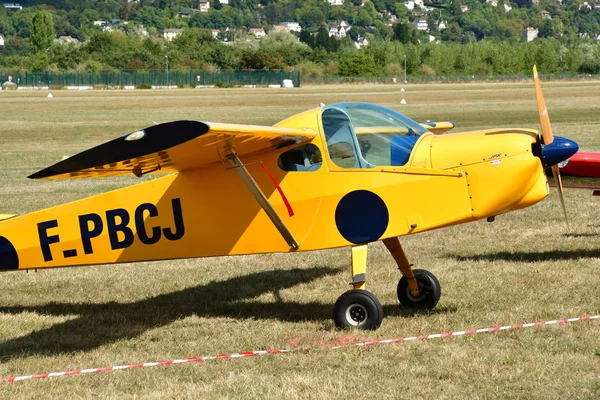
175 146
438 127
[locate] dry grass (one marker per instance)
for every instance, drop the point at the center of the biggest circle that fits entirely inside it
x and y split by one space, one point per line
524 267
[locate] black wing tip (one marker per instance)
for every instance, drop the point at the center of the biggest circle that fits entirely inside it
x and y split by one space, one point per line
40 174
118 150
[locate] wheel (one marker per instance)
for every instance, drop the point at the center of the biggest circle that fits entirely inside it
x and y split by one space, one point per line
358 309
429 290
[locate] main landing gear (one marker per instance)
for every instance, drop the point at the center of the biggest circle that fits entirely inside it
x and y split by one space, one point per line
358 308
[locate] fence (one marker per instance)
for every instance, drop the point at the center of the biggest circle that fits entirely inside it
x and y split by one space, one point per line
120 79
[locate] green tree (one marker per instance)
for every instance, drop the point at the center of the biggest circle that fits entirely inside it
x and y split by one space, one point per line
357 64
41 31
403 32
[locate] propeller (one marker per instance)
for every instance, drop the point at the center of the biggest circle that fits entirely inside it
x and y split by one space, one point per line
548 137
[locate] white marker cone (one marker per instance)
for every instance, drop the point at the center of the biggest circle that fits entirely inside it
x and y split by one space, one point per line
50 95
402 90
402 101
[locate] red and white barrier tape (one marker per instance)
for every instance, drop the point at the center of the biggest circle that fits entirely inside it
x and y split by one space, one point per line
282 351
147 364
472 331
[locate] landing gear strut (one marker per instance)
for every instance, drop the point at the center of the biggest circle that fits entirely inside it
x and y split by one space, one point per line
358 308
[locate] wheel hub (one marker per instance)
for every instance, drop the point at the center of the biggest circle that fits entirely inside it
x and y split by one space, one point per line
356 314
424 289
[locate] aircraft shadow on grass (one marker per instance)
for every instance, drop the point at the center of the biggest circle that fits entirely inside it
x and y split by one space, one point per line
100 324
519 256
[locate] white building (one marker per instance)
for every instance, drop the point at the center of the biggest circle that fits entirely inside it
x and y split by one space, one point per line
336 2
258 32
529 34
171 33
339 29
361 42
292 26
420 24
13 6
1 40
203 5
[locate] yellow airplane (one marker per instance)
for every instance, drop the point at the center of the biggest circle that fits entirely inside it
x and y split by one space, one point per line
340 175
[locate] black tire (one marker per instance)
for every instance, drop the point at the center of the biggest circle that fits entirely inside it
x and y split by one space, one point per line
429 288
358 309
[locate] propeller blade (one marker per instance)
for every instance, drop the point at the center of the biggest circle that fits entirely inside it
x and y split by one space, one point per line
559 186
542 110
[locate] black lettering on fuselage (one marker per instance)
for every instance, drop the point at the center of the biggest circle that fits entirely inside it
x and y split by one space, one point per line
114 228
140 225
45 239
88 233
116 225
178 219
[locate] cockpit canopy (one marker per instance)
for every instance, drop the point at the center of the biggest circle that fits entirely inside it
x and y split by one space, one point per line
364 135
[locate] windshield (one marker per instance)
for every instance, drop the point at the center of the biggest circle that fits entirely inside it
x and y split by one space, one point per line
363 135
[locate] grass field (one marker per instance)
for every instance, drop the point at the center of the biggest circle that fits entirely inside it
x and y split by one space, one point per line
524 267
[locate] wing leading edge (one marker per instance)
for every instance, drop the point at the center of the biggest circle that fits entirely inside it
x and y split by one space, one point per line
174 146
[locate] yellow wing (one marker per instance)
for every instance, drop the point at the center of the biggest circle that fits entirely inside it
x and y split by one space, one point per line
175 146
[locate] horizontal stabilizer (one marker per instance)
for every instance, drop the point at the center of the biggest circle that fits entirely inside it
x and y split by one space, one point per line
438 127
173 146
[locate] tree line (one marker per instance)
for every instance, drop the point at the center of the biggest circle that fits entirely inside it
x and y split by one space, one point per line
314 54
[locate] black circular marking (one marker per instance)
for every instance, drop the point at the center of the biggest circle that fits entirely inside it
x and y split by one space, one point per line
9 258
361 217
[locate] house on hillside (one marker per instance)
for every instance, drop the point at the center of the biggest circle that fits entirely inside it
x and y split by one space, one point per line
185 13
420 24
172 33
279 28
292 26
464 8
339 29
13 6
65 39
545 14
203 5
361 42
530 33
1 40
336 2
258 32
